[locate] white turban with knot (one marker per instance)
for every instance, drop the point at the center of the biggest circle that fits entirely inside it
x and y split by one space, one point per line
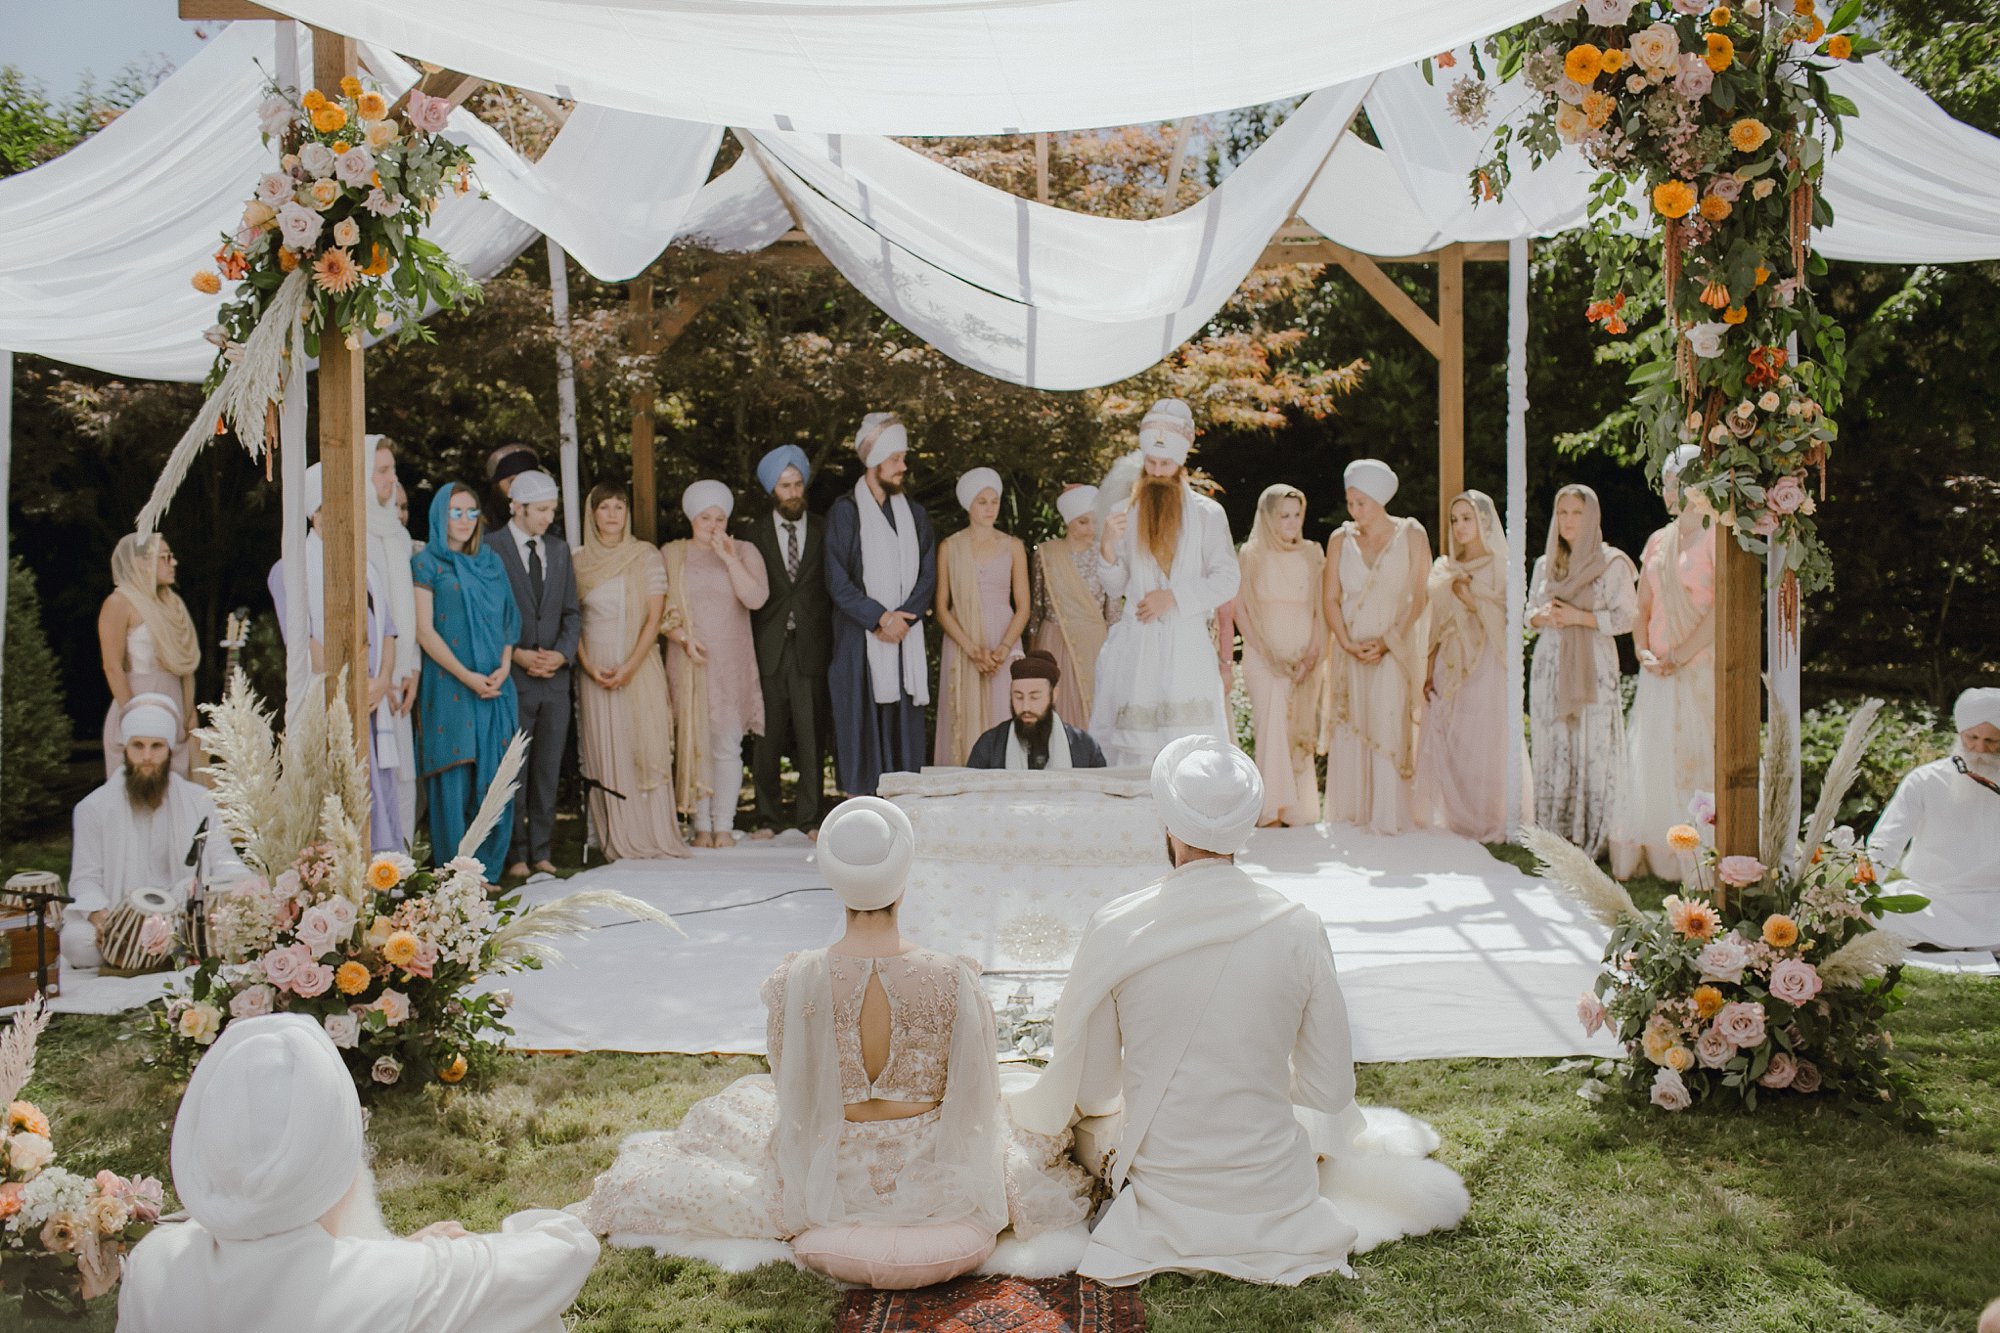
865 850
1208 793
880 438
1076 501
268 1137
154 716
705 495
975 481
533 488
1975 707
1167 431
1373 478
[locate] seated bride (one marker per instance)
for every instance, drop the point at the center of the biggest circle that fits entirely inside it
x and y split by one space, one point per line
878 1146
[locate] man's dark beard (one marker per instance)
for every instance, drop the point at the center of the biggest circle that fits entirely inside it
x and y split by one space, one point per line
146 787
891 487
1034 738
792 510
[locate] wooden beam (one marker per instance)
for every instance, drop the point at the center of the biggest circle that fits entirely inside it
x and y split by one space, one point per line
1393 298
1042 166
695 296
1451 384
645 502
196 11
1739 614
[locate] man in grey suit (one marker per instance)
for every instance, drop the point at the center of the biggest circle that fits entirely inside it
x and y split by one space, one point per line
794 637
544 582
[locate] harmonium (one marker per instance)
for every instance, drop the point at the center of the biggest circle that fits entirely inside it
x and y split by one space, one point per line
30 935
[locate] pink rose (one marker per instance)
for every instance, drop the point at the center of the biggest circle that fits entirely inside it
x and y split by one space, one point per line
355 166
1693 78
274 189
298 227
1590 1013
1713 1049
1794 981
313 979
316 159
1608 13
1669 1093
1726 186
1742 1023
386 1070
156 935
252 1002
1806 1077
1764 524
1740 872
1780 1072
380 204
1701 807
1723 960
281 966
424 962
274 116
428 114
1786 495
343 915
344 1029
395 1006
317 929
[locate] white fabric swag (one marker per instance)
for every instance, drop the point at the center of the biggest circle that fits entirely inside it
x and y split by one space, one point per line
890 566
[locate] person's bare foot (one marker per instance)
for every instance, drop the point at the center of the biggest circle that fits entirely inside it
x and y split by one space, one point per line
546 867
725 839
812 834
519 870
703 839
764 835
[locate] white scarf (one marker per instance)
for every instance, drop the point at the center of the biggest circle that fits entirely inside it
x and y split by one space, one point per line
1017 753
890 567
389 549
384 720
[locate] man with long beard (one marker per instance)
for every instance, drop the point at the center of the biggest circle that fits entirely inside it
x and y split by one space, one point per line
1035 737
137 830
1156 678
1942 828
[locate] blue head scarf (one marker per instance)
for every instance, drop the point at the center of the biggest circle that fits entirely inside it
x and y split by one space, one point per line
772 466
493 620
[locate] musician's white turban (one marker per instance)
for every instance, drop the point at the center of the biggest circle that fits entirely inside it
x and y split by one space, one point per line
865 850
1167 431
1373 478
1975 707
268 1137
1678 460
1208 793
154 716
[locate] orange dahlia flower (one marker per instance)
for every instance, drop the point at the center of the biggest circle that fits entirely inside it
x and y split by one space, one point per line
351 977
1840 48
1584 63
1715 208
329 118
1780 931
1721 52
1749 134
1673 199
335 271
1736 314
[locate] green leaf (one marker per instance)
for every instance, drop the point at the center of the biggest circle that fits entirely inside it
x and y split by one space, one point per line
1844 16
1901 902
1841 105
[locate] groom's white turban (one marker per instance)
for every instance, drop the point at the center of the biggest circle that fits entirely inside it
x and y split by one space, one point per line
864 852
268 1138
1975 707
1208 793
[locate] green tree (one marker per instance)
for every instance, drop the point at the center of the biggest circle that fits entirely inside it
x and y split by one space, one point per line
34 732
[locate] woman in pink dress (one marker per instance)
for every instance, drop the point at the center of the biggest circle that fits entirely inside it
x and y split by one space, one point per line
714 582
982 605
1278 610
1470 734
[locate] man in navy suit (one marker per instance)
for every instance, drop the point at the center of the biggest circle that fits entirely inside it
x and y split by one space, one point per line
794 637
544 581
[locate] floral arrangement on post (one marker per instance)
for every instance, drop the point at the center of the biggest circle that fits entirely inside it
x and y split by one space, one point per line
1768 976
385 954
62 1234
1716 117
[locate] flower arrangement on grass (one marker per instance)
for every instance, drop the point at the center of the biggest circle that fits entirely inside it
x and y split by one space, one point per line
1766 975
63 1233
357 181
1711 121
385 954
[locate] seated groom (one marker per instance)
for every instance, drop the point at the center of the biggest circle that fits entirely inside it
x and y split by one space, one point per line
1035 737
1197 1013
138 831
1942 829
284 1232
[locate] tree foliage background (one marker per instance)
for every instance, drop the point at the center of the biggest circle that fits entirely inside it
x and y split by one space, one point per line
1299 374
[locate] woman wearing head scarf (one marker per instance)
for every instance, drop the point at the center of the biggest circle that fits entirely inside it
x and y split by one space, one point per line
714 582
627 739
1670 736
1279 613
982 606
1471 731
1071 613
147 641
1580 598
1376 565
467 622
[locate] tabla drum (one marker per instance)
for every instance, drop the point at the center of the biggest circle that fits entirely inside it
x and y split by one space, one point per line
118 937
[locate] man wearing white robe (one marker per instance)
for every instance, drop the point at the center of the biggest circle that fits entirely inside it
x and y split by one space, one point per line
389 551
136 831
1942 830
1202 1053
269 1160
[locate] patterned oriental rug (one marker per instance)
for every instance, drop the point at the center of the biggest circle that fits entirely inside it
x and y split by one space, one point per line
997 1305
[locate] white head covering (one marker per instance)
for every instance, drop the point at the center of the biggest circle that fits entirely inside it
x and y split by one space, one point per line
315 489
1167 431
154 716
1208 793
1678 460
975 481
533 488
880 438
705 495
865 850
1373 478
268 1137
1075 501
1975 707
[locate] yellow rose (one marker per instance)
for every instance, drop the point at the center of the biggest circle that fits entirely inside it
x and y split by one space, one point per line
381 132
257 213
323 193
200 1023
1572 123
1659 1038
379 931
1679 1059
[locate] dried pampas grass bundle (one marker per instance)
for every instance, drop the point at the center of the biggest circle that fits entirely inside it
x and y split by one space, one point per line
528 936
1863 957
1570 868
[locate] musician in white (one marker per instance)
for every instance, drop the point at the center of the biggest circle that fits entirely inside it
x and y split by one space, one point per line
1942 829
138 831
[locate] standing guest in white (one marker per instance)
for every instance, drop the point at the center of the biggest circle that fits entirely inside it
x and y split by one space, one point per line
284 1232
1203 1039
1175 565
1376 603
147 640
389 551
1942 829
136 831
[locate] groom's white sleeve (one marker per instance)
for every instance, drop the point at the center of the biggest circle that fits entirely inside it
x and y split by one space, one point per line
1102 1090
519 1281
1220 576
1323 1054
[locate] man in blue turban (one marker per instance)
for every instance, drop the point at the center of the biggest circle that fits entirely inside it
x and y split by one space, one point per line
794 636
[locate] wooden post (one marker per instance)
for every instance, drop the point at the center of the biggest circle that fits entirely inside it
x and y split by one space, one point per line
1451 385
343 523
1739 608
645 504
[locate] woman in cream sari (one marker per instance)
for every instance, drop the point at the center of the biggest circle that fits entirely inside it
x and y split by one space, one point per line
1071 614
1471 733
1374 593
1670 736
147 640
627 738
1279 612
982 606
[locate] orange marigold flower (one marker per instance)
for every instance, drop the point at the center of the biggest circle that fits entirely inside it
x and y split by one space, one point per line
340 146
313 100
1780 931
382 872
207 283
1736 314
1673 199
1614 60
288 259
1714 294
350 86
1817 30
454 1071
1840 48
1763 275
1715 208
1748 135
1721 17
351 978
1584 63
329 118
1707 1001
1804 8
371 106
378 262
335 271
1597 108
1683 838
1721 52
400 948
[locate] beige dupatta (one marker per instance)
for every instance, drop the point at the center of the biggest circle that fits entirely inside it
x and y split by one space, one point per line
650 712
688 684
1460 635
1377 613
1079 617
968 687
176 646
1307 696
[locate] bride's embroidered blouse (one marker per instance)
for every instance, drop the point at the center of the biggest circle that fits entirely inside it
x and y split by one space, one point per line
922 988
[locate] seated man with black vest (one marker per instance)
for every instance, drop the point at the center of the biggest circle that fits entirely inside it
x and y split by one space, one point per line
1035 738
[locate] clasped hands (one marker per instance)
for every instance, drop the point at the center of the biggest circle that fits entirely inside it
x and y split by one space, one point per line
1367 651
541 663
1559 614
1653 662
893 626
489 685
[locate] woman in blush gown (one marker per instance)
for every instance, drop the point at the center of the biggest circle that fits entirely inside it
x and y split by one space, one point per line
982 605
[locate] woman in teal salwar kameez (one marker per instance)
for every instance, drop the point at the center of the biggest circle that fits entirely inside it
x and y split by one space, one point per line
467 623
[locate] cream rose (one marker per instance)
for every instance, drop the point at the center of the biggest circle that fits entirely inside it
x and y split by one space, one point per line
1713 1049
355 166
28 1154
317 160
1657 50
323 193
345 1029
251 1002
298 227
1705 340
1742 1023
1794 981
1669 1093
346 232
200 1023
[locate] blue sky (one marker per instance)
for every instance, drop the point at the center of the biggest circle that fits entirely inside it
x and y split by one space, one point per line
55 42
